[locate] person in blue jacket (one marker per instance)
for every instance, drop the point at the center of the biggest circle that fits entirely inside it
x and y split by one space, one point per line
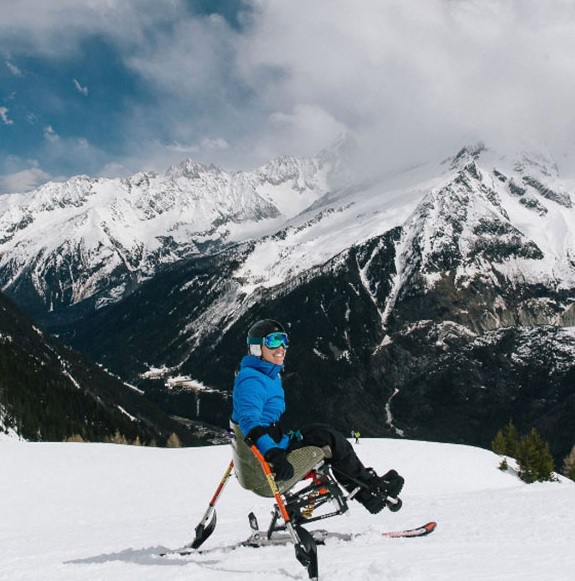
259 402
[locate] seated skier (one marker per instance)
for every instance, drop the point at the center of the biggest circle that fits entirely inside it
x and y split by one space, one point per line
258 404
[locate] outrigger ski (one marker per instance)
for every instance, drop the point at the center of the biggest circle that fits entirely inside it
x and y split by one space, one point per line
416 532
260 538
255 540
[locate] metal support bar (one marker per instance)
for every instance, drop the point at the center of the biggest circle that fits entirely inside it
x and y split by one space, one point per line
305 547
207 526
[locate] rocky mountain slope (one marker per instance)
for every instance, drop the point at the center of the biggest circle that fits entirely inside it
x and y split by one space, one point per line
433 302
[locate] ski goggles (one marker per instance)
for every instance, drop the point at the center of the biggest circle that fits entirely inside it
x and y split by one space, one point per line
271 341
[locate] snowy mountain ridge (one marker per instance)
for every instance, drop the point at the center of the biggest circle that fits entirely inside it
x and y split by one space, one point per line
468 221
70 240
97 239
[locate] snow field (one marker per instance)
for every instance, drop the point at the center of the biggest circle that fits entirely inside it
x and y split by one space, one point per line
101 512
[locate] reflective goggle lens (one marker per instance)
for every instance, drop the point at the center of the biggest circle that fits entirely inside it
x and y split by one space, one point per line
275 340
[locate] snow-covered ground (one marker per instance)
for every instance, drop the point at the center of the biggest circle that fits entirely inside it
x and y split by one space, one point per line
102 512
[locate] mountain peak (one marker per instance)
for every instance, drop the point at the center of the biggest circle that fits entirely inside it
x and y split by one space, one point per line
467 154
190 169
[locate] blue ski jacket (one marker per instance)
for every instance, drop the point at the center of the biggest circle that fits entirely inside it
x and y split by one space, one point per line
258 400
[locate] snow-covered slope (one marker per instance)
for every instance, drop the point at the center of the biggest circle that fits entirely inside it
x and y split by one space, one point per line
87 512
481 214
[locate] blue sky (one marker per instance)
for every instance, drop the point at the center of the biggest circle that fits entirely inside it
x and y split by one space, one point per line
112 87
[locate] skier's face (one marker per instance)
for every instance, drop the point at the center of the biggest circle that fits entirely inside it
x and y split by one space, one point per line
275 356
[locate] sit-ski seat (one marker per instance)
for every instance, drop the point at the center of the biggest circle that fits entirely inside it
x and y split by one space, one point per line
249 471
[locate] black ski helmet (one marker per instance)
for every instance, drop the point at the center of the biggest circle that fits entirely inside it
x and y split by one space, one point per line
263 328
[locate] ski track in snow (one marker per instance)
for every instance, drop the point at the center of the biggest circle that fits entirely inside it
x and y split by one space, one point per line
95 512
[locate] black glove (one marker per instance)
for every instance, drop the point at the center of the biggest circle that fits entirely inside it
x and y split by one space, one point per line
280 466
393 483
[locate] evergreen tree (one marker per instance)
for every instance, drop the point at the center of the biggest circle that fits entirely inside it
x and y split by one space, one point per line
534 458
511 436
506 441
569 465
498 444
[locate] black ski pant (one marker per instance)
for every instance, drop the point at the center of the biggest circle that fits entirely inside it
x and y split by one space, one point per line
344 461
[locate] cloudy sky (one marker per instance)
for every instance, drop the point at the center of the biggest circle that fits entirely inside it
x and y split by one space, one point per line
112 87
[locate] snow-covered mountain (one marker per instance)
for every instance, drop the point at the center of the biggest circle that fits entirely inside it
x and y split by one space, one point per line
411 297
81 512
477 217
96 239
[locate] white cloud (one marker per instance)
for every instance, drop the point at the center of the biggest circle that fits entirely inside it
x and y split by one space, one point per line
414 77
410 79
50 135
320 126
24 180
113 170
214 144
79 88
206 144
4 116
13 69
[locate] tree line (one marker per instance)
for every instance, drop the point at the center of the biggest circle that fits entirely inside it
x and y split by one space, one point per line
41 404
531 453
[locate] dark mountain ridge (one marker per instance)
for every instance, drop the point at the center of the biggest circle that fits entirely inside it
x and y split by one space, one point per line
48 392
